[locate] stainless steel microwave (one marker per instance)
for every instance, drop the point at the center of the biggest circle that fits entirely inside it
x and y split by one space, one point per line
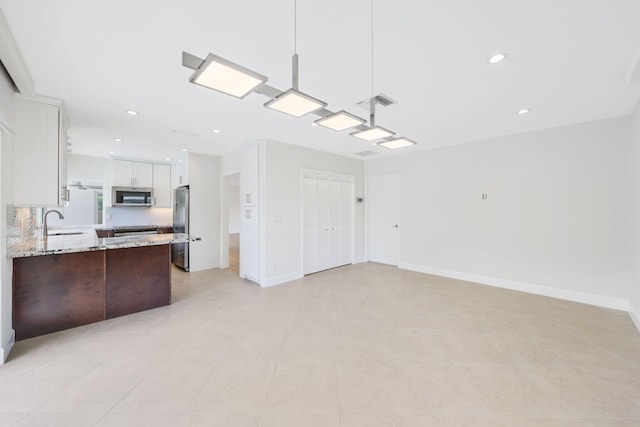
128 196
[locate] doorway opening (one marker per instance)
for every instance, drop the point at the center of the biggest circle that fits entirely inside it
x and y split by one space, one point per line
234 222
230 253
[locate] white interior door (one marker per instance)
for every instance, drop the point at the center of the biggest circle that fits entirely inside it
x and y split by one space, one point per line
322 201
346 200
310 222
327 221
383 218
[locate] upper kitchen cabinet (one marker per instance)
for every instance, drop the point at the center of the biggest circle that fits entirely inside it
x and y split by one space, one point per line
126 173
39 153
162 185
182 172
250 177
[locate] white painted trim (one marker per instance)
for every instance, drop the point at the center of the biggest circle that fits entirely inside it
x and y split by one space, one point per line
6 347
359 260
581 297
635 316
12 59
5 128
278 280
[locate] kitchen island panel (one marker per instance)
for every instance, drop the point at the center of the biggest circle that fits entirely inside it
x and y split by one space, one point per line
57 292
137 279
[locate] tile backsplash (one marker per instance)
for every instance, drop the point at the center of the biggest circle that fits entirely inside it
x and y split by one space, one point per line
23 222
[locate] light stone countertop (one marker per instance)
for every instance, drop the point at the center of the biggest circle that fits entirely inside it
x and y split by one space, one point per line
86 241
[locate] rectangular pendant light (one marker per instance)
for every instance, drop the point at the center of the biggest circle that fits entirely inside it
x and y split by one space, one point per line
340 121
227 77
373 133
397 143
295 103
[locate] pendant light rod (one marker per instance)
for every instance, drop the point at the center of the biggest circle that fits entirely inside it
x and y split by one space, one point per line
372 112
294 71
372 101
294 58
372 49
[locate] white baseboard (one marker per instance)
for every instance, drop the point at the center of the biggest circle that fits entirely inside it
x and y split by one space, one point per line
7 346
581 297
278 280
359 260
635 316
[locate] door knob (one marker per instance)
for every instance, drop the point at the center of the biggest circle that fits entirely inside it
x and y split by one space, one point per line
395 226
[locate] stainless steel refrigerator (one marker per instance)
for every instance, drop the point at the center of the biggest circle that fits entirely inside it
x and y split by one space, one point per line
180 251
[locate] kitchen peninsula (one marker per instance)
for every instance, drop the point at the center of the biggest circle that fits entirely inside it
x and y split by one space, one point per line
73 278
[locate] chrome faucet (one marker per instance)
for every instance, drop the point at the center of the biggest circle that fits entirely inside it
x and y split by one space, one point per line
44 219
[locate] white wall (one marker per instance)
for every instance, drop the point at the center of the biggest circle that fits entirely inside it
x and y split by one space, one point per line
7 123
281 204
87 169
204 211
635 195
123 216
556 220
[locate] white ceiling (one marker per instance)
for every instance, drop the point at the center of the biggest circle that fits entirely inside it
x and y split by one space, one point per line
568 62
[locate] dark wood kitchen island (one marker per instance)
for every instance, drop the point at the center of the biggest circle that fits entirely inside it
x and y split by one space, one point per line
71 280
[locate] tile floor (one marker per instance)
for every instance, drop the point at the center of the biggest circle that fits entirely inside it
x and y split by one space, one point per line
363 345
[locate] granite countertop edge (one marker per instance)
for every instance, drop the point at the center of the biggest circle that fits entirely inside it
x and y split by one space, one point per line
87 242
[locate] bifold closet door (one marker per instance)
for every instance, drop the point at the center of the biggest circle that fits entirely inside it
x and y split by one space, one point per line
346 199
327 223
310 224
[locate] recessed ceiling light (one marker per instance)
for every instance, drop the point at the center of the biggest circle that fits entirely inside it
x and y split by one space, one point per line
523 111
132 113
185 150
118 139
314 124
168 159
112 152
497 58
216 131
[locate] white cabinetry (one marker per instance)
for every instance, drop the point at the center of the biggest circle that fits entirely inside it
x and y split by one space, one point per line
250 177
328 221
182 172
249 239
39 154
126 173
250 214
162 186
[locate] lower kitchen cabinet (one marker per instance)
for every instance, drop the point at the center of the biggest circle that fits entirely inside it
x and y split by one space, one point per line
56 292
137 279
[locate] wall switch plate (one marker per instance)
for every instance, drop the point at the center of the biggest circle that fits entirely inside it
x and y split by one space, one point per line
359 200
